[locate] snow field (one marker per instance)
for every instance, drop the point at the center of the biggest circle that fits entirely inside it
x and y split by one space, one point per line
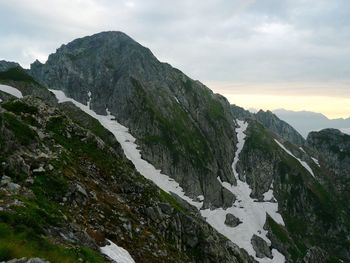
11 90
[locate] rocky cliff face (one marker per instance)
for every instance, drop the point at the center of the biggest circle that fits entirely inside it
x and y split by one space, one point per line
5 65
76 187
333 149
271 122
182 127
313 214
281 128
66 186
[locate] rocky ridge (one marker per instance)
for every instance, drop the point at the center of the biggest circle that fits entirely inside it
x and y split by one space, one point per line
111 71
177 121
68 186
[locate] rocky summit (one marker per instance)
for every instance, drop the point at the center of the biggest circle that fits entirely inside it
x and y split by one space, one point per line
109 155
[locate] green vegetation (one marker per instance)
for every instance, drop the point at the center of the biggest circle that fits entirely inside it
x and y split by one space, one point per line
16 74
18 106
279 231
260 139
177 132
85 120
215 108
50 186
282 235
22 228
22 131
21 241
167 198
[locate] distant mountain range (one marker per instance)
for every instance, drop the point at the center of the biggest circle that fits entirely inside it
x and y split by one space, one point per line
307 121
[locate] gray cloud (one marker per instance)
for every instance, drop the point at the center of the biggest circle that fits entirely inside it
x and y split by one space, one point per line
265 41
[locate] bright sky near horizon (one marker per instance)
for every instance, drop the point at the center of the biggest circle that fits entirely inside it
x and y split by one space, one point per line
267 54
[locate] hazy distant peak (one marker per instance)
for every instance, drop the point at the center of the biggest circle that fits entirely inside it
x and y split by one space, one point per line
307 121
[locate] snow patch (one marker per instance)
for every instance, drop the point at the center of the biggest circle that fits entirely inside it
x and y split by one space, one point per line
249 211
303 163
117 253
11 90
177 100
345 130
316 161
89 100
200 198
131 150
242 126
268 196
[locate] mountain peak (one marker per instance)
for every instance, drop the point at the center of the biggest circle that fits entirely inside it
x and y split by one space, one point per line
115 36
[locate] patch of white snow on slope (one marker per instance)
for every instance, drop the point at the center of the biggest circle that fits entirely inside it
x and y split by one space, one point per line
11 90
268 196
316 161
303 163
131 150
116 253
251 213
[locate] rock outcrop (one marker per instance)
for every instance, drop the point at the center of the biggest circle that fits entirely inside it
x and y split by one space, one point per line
333 152
281 128
77 188
179 123
231 220
261 247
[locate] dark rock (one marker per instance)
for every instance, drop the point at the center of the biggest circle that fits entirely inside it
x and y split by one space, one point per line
261 247
5 65
232 221
281 128
315 255
166 208
5 180
157 103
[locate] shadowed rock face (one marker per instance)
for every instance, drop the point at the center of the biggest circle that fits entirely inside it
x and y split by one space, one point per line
313 213
333 147
5 65
271 122
261 248
281 128
182 127
66 185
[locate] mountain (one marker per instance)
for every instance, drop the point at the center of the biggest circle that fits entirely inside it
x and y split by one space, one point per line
66 186
286 131
177 121
334 147
307 121
120 154
5 65
270 121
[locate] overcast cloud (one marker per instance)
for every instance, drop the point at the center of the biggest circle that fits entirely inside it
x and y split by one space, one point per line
215 41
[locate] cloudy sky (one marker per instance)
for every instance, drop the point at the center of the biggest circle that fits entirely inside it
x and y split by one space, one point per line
266 54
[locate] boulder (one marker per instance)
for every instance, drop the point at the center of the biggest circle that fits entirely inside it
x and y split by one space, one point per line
232 221
261 247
